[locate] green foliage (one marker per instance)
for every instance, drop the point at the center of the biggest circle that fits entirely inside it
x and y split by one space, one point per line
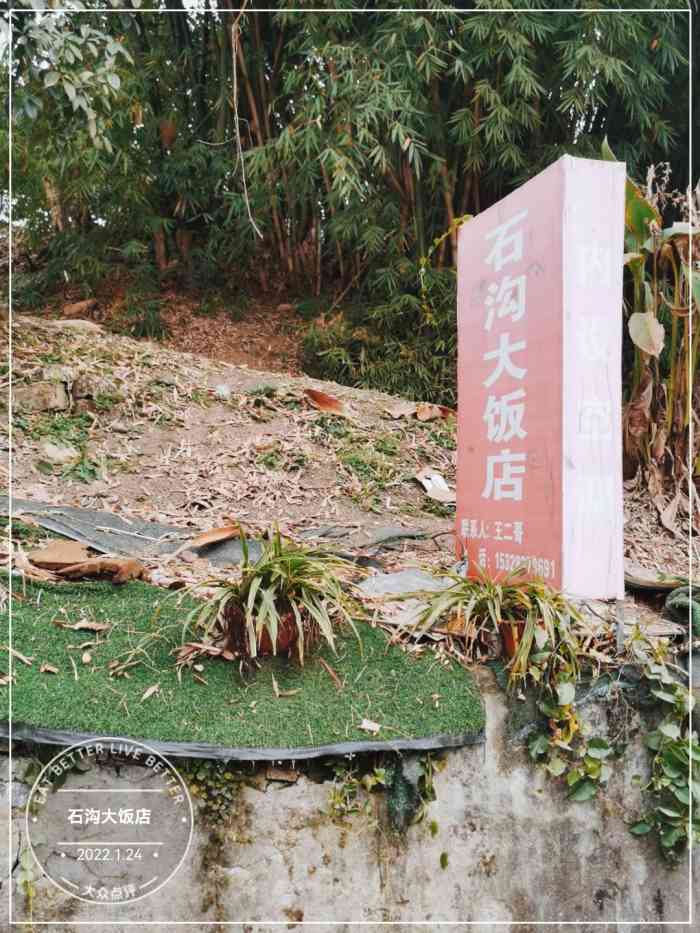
662 314
144 315
215 787
362 138
287 580
585 763
546 645
672 745
406 345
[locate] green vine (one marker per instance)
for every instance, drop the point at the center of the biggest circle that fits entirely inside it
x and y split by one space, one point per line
585 763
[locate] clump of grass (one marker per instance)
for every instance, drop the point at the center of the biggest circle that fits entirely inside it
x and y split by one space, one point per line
331 428
368 465
483 604
279 458
444 435
285 601
387 444
64 429
145 315
262 391
70 429
439 509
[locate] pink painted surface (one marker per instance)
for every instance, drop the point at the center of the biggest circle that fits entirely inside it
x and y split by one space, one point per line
523 379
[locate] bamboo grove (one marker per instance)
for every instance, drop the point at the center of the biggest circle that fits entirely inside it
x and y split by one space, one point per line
323 156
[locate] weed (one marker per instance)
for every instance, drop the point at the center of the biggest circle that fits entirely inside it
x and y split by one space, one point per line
330 427
270 460
262 391
439 509
368 465
72 429
105 402
209 306
444 435
85 470
277 457
387 444
145 313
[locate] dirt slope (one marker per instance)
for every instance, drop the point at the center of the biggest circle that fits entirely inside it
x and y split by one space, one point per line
186 440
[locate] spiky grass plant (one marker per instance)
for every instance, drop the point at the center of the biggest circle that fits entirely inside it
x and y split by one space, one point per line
286 600
480 604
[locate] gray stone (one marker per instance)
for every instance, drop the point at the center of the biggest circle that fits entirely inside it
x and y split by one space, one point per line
404 581
58 373
41 396
60 454
88 386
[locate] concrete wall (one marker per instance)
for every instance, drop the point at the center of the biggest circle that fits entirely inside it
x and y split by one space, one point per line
517 852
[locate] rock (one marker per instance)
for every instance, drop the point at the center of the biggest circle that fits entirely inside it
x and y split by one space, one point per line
61 454
41 396
78 325
86 327
87 386
78 307
57 373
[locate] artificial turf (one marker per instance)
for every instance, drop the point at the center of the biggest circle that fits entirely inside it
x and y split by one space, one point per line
409 697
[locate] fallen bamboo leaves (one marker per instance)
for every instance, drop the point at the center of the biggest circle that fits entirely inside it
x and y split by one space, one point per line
151 691
326 403
83 625
423 411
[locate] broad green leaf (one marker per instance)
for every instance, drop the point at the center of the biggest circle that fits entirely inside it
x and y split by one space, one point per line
538 745
639 213
664 695
671 837
51 78
641 828
672 814
592 766
575 775
598 748
556 766
113 79
584 790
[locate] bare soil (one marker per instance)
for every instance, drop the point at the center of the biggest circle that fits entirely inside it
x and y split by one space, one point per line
228 435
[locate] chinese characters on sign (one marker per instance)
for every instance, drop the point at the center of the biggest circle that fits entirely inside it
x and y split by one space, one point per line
539 318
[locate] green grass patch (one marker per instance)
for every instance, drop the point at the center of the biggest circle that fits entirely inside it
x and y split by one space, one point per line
409 697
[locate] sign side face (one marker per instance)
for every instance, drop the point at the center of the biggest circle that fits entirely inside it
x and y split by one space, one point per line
509 313
592 455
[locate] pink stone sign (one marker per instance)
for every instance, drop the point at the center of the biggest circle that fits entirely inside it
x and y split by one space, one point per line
539 474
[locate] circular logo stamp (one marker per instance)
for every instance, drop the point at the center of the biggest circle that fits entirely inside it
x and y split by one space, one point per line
109 820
